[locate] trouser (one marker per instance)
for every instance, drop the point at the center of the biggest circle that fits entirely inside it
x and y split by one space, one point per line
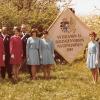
8 69
29 70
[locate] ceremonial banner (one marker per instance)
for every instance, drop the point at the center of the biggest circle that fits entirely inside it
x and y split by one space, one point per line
69 34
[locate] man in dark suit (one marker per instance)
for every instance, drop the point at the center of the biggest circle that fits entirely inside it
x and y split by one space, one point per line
24 37
8 67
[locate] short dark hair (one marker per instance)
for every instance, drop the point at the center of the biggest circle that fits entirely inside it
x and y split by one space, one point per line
45 32
18 29
34 30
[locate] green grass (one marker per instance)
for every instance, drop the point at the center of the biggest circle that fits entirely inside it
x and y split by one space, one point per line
69 82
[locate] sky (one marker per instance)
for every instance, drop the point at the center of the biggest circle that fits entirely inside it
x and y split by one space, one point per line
86 7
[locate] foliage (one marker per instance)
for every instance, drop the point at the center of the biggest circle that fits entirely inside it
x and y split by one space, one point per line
41 14
68 82
93 22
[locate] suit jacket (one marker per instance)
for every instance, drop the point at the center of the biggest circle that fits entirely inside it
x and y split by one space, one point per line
6 40
1 52
24 41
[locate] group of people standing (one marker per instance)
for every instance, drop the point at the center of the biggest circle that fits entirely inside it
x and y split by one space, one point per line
24 48
27 49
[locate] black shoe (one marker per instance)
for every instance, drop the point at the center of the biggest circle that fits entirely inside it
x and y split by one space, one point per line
14 81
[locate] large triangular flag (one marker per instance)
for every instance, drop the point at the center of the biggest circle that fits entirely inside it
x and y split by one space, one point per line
69 34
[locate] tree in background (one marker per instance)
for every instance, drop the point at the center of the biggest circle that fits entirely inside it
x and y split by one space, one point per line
16 12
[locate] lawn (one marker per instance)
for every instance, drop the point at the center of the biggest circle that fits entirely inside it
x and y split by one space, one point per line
68 82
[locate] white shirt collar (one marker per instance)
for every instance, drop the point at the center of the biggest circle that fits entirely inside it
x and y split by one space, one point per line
3 35
24 34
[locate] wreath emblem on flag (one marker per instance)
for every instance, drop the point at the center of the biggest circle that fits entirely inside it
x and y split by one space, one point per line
68 26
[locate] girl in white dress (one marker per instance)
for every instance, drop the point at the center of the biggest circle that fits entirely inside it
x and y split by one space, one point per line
93 56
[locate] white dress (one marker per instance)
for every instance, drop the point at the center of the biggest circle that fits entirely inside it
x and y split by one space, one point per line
92 55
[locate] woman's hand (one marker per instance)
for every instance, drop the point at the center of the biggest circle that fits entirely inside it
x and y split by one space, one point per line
40 57
96 62
3 57
12 56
